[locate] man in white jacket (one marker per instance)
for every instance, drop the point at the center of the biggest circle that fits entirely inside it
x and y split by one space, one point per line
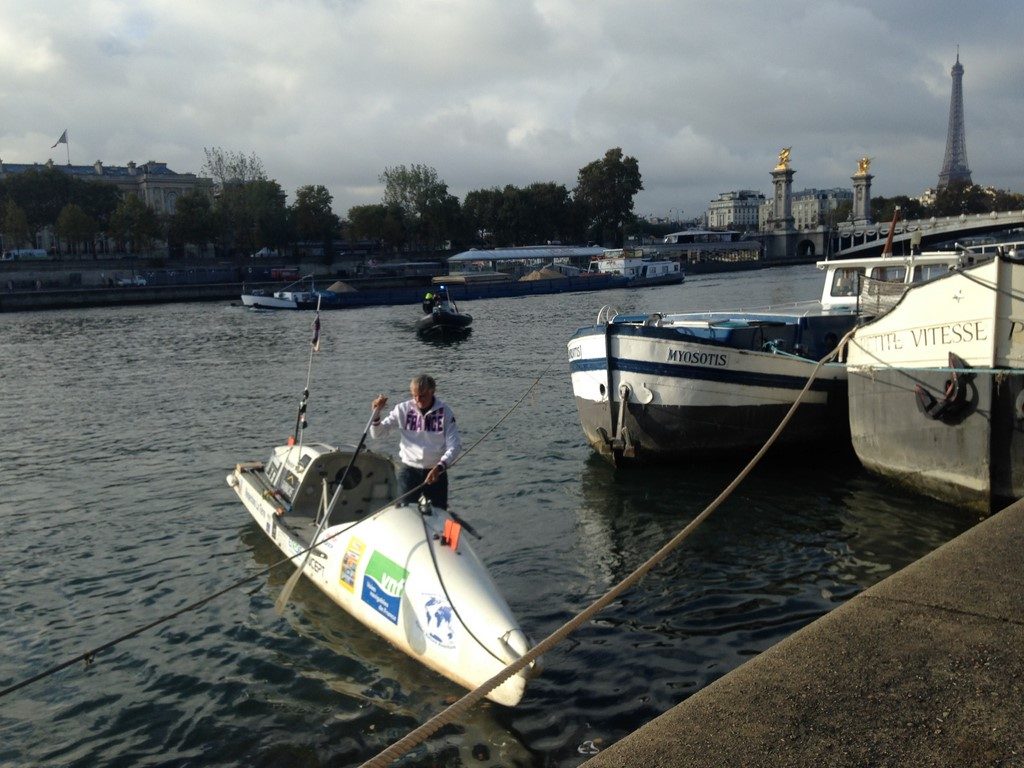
429 439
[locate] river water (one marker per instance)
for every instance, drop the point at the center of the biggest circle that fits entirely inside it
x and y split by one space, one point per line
120 424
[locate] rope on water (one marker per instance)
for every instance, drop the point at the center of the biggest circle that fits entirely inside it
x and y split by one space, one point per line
460 707
89 655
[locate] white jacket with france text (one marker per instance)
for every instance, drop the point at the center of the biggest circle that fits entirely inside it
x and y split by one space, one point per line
427 439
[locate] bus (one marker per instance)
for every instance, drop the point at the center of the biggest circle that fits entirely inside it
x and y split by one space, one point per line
24 254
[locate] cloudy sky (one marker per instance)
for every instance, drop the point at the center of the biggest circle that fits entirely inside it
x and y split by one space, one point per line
496 92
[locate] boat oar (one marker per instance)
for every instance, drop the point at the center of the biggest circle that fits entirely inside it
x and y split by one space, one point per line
286 593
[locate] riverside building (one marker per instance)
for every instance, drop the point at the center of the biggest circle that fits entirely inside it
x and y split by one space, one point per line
154 183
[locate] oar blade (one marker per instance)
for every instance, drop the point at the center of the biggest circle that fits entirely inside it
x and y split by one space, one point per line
286 593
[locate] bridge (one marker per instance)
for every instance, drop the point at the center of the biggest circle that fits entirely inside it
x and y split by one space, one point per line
850 240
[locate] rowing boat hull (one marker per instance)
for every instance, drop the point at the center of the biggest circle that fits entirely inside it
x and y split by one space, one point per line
394 572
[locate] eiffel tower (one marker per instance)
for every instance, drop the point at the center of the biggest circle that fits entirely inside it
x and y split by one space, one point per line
954 166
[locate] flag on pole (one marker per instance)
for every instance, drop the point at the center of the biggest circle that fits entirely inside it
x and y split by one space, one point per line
316 332
62 140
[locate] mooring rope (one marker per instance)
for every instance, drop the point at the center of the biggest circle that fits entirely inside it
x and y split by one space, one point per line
89 655
459 708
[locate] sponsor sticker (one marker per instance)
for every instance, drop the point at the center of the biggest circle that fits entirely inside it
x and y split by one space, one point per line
435 618
383 583
350 562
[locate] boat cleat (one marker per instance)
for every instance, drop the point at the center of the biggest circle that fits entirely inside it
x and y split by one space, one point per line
425 507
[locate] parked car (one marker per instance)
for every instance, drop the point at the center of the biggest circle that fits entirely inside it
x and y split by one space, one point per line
137 280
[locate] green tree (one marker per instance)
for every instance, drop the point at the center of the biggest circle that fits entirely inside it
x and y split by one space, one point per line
253 215
604 192
1004 200
546 211
134 224
15 225
480 210
76 228
510 228
227 168
882 208
441 221
193 221
421 201
98 201
366 222
312 215
842 212
41 194
960 197
397 228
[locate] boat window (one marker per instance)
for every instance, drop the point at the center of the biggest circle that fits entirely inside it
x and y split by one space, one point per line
928 271
889 274
304 461
845 281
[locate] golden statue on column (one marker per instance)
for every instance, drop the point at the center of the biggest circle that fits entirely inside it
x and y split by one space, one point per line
863 165
783 159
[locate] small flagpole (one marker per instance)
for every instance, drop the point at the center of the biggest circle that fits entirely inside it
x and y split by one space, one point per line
67 146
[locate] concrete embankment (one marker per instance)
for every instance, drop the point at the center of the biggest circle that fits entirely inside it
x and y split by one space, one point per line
926 668
71 298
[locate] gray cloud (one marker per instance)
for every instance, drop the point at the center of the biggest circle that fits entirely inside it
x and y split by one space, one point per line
495 92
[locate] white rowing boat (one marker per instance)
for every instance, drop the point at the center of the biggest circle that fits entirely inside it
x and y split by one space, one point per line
403 570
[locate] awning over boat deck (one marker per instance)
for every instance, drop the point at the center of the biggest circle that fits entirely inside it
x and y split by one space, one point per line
528 253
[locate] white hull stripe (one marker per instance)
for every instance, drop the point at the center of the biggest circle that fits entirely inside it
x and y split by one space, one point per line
722 375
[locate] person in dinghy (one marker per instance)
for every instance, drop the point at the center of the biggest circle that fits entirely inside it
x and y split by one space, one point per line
429 440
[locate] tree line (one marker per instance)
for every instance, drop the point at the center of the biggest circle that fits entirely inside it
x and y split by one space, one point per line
248 211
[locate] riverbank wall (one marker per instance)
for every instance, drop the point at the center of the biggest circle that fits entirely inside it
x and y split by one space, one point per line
73 298
69 285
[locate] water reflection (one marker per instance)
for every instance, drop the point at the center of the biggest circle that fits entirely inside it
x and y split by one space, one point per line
770 560
444 337
861 530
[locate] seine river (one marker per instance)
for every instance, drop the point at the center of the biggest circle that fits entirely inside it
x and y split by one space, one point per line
119 426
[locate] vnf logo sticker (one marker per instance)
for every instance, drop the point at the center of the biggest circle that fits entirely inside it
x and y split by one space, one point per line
383 583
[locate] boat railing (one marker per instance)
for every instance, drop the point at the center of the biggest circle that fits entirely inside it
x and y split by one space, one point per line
301 281
606 314
1008 248
800 308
